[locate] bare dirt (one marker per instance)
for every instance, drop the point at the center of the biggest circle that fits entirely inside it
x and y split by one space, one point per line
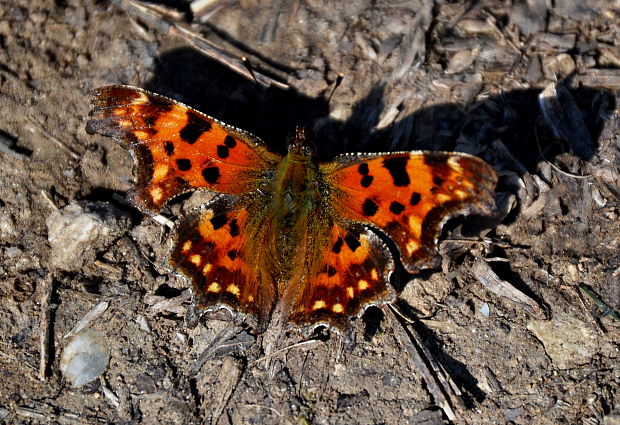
418 75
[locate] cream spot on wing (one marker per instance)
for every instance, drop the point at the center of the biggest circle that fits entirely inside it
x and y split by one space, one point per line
459 193
467 184
156 194
442 197
160 171
455 164
233 289
362 284
186 246
319 304
374 275
214 287
206 269
142 135
337 308
196 259
412 246
141 99
350 292
250 298
415 225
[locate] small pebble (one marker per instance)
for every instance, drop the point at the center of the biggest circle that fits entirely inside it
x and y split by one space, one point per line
85 357
79 231
485 310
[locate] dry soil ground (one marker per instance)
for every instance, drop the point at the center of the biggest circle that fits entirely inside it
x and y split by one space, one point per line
449 75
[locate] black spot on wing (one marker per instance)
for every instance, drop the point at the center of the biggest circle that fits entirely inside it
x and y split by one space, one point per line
232 254
337 246
398 170
230 142
234 228
184 164
222 151
397 207
366 181
211 174
352 241
331 271
218 221
363 169
415 199
169 148
196 125
369 207
437 181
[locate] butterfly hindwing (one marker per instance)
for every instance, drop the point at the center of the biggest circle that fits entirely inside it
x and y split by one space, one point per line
176 148
215 246
410 195
352 273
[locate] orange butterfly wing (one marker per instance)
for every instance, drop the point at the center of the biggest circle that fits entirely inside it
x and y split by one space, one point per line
352 273
176 148
218 246
410 195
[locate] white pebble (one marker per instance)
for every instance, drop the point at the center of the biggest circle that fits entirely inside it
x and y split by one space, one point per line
85 357
485 310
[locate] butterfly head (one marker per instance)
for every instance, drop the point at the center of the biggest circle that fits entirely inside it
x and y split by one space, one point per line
300 144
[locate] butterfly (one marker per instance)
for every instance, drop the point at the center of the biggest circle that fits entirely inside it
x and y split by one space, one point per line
287 235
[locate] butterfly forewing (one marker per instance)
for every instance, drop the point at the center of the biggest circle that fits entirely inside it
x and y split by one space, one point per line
410 195
176 148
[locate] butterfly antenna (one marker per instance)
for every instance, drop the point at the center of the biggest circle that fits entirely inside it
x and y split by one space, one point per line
248 66
337 83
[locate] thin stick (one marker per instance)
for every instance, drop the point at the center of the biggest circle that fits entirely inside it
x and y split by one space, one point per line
275 353
203 45
555 167
53 138
88 318
439 389
248 66
49 200
44 326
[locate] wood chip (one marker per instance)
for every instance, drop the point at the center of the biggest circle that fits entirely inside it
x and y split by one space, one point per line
487 277
230 376
88 318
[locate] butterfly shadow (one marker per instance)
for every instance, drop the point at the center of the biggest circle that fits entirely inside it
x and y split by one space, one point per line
512 118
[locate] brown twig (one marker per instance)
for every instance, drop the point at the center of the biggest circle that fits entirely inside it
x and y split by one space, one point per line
53 138
439 387
44 325
166 24
205 46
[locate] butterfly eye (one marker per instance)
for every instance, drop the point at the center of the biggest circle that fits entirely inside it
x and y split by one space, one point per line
309 148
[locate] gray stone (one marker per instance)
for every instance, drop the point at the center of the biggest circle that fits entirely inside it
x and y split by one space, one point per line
567 340
81 230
